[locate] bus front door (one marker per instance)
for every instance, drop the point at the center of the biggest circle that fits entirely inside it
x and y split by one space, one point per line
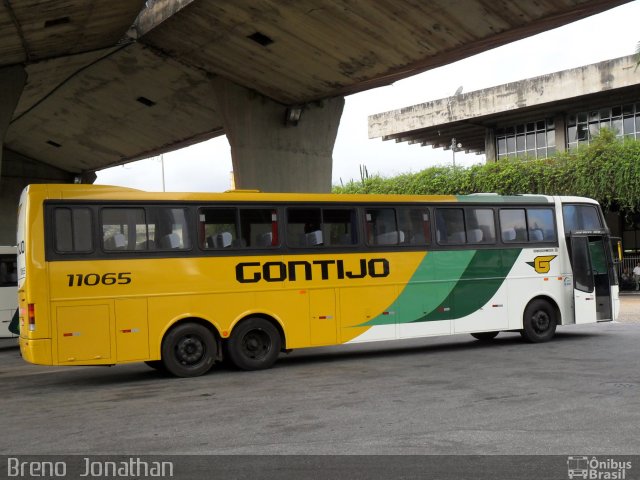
591 282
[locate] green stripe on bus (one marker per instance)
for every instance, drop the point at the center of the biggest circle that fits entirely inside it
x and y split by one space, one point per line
480 281
426 290
450 285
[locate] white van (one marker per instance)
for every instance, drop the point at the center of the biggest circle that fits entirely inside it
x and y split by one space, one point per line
8 288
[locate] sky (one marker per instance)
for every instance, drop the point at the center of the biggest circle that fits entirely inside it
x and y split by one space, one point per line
206 167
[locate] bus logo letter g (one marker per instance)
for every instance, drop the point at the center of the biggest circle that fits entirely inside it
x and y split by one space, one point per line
542 264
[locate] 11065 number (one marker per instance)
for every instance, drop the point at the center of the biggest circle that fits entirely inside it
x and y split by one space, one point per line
93 279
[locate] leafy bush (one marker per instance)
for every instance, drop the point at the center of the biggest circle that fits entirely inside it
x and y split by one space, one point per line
607 170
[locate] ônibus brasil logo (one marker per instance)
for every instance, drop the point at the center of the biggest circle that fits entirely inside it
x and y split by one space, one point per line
581 466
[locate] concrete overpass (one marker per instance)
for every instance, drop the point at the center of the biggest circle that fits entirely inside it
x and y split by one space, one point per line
86 85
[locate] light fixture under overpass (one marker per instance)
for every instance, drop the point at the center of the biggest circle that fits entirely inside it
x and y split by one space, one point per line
292 116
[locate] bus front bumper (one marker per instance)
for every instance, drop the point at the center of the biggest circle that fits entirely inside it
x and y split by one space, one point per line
36 351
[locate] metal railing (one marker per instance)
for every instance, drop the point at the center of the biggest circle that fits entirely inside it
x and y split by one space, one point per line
626 266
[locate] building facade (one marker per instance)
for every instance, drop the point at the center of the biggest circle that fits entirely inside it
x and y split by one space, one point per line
531 118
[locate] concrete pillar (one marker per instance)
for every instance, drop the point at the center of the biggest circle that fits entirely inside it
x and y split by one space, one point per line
490 145
273 155
12 80
560 124
19 171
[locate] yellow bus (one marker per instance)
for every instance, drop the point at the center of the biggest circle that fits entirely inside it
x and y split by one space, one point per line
181 281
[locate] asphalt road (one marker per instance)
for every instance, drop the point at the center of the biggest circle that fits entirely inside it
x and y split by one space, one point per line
579 394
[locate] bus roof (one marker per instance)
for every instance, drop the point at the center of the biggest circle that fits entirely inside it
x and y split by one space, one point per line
107 192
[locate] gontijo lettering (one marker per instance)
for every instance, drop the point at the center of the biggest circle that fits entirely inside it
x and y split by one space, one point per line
252 272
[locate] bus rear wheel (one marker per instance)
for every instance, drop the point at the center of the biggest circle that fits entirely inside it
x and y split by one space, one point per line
539 322
485 336
254 344
189 350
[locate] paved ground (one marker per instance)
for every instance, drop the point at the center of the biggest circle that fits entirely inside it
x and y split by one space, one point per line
579 394
629 308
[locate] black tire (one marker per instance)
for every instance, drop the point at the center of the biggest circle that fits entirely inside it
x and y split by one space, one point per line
485 336
254 344
539 322
189 350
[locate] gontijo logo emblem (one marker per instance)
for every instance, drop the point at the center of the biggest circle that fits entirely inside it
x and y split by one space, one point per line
542 264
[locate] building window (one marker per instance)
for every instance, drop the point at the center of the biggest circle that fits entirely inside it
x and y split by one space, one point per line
623 120
533 140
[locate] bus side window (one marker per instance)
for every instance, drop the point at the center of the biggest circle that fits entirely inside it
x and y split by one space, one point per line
339 226
73 231
119 228
382 228
171 228
258 228
415 224
217 228
304 227
8 271
580 217
513 225
480 225
541 225
450 228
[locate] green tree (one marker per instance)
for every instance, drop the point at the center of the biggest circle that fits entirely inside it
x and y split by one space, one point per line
608 169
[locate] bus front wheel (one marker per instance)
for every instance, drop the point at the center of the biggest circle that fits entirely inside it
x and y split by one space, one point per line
254 344
189 350
539 322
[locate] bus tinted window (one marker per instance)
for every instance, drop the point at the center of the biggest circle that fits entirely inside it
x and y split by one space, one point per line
218 227
414 223
527 225
238 228
72 230
541 225
153 228
513 225
120 225
580 217
480 225
382 228
259 227
171 228
450 226
304 227
8 271
339 226
313 227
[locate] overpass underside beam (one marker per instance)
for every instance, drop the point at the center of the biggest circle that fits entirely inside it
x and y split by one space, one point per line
278 148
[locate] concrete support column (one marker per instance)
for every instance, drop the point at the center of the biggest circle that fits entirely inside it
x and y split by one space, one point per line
561 132
12 80
490 145
19 171
271 154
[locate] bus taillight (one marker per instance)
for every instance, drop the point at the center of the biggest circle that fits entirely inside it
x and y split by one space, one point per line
32 317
